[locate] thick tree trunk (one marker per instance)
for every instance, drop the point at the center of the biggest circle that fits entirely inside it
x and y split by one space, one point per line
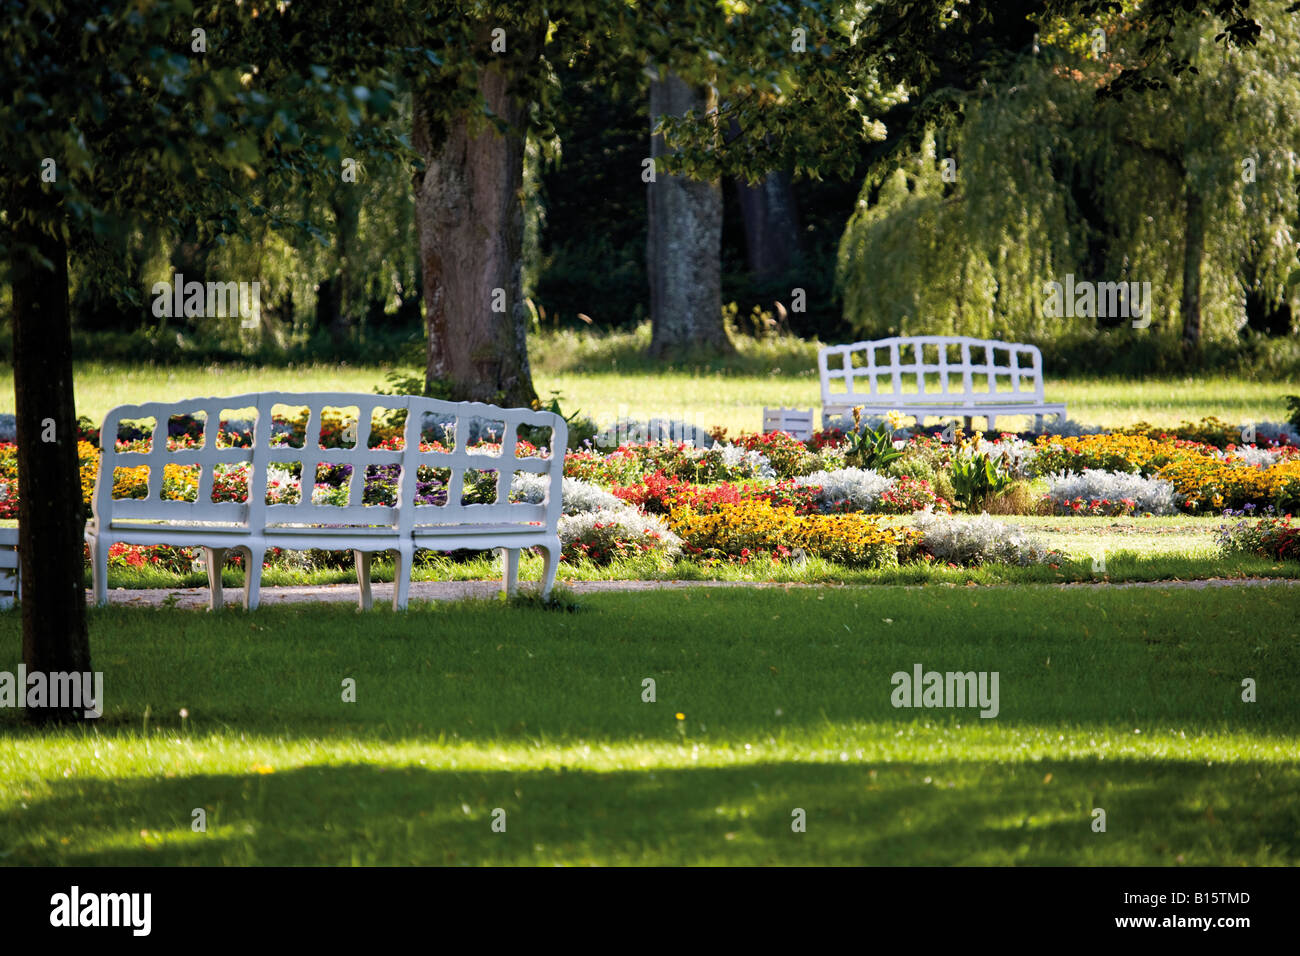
470 218
1193 254
771 223
684 242
50 512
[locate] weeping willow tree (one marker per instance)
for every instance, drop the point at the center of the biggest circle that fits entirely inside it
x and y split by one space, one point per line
932 257
325 249
1192 188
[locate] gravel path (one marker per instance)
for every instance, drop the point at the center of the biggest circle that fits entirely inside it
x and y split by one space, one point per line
459 590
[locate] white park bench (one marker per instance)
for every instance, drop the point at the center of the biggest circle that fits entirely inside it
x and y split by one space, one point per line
935 375
252 526
795 422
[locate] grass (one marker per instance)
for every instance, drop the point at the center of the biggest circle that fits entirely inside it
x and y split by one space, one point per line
609 376
1120 700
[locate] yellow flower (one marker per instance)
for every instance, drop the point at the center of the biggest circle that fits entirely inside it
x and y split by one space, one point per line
895 420
681 716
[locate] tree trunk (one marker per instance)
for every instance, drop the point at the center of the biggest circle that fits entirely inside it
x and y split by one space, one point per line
470 218
1193 253
771 224
684 242
329 309
50 512
337 297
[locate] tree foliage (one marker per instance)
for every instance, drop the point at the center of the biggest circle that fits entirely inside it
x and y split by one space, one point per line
1053 178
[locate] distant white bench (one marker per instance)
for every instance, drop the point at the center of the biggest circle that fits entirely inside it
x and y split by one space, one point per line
253 526
935 375
795 422
10 579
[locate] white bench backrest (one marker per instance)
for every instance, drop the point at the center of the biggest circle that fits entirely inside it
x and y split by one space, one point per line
310 454
893 372
207 457
256 514
456 418
796 422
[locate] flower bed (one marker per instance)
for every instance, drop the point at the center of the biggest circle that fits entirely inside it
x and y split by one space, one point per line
757 529
1271 536
770 497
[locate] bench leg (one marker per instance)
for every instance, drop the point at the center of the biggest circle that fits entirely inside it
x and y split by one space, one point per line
216 560
551 552
99 568
402 561
253 575
1038 424
969 424
363 578
510 577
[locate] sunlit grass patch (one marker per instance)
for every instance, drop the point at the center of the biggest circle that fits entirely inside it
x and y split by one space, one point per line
1125 700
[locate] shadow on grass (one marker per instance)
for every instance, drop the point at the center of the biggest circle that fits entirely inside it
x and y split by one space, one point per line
1158 812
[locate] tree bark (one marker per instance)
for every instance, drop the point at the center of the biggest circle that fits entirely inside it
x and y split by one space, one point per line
683 248
771 223
1193 254
51 518
470 219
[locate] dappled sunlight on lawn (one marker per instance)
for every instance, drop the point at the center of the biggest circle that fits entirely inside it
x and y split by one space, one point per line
1124 701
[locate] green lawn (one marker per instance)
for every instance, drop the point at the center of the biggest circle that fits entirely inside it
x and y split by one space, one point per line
608 377
1124 700
737 401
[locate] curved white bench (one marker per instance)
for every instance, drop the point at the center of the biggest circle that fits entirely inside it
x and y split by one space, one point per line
253 526
981 377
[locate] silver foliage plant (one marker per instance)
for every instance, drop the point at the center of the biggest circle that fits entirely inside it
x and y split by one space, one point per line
577 497
981 540
1255 456
859 486
1148 494
624 522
